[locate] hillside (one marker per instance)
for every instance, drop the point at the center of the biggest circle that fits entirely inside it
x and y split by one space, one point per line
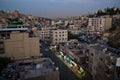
114 38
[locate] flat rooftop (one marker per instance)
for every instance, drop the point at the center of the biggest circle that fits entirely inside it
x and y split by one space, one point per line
13 29
36 67
33 68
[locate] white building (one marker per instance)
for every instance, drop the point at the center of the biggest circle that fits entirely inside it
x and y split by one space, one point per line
99 24
44 35
58 36
66 22
52 22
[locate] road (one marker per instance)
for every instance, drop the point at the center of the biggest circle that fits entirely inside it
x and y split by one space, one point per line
65 72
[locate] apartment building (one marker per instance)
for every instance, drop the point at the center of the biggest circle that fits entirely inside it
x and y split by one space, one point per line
16 43
58 36
74 50
99 25
102 63
44 35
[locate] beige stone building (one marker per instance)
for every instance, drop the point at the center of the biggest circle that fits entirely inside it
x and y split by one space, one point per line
18 45
99 24
58 36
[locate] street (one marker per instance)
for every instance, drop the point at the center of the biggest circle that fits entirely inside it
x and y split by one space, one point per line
65 72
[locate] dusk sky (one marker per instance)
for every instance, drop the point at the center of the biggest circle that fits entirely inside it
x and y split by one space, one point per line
57 8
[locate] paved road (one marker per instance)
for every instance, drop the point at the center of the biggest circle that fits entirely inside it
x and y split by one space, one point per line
65 73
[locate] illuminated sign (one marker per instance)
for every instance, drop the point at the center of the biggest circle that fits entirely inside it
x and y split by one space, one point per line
118 62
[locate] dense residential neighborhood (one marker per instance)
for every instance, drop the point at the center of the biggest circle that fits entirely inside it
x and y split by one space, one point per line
38 48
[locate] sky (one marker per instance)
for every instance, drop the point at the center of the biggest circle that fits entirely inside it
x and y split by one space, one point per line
57 8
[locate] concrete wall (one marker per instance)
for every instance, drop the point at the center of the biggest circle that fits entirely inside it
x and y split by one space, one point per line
100 63
108 23
20 46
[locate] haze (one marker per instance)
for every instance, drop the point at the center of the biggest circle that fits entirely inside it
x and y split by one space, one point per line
57 8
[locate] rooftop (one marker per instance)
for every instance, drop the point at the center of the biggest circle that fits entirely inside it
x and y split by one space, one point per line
32 68
75 47
13 29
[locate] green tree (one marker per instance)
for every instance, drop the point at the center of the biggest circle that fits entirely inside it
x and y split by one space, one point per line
71 36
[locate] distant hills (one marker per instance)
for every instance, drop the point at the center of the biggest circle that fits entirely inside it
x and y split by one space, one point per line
107 11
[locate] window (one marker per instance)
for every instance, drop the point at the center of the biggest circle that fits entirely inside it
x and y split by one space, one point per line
2 51
87 59
56 39
1 42
55 32
55 35
101 59
91 54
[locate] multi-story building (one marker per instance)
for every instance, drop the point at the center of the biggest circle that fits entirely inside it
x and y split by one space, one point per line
58 36
74 50
74 29
44 35
102 63
99 24
32 69
52 22
16 43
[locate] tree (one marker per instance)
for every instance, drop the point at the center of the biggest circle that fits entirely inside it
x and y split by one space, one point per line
71 36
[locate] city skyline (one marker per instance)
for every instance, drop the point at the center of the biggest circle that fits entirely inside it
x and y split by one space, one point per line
57 8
